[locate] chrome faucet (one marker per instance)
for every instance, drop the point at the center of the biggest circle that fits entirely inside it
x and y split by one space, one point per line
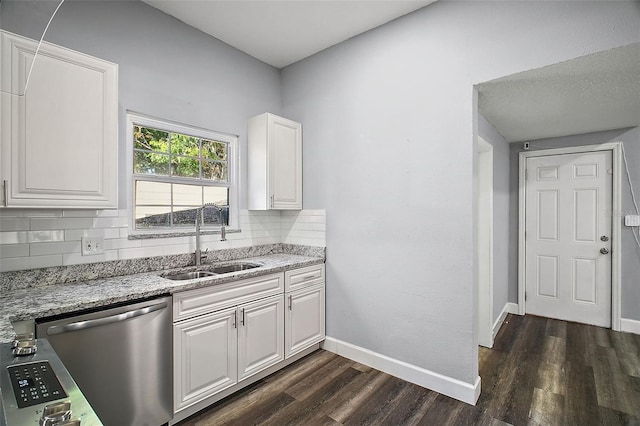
223 232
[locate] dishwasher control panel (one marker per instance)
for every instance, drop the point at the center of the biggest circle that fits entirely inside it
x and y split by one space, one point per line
35 383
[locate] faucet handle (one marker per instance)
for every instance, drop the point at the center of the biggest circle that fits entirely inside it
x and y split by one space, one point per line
203 255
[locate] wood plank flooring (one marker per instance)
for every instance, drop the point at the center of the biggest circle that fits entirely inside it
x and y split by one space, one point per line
539 372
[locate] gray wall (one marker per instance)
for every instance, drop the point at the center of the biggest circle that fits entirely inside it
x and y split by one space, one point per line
500 214
388 151
630 291
167 69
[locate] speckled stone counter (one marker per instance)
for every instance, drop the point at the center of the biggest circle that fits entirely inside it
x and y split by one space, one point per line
45 301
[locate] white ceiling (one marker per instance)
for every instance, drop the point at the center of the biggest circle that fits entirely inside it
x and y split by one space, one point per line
591 93
283 32
587 94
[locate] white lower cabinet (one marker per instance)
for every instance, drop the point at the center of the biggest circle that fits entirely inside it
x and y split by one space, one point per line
260 335
215 351
304 322
229 335
205 357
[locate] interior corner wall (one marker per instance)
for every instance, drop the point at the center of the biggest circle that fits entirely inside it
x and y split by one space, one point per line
500 214
630 262
388 151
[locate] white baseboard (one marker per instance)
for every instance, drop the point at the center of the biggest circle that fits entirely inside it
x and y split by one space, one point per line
629 325
509 308
446 385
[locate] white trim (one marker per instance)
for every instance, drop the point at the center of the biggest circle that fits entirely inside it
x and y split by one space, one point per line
485 238
462 391
509 308
630 326
616 244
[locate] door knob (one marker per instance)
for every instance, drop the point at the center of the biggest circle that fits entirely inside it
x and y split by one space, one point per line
604 251
604 238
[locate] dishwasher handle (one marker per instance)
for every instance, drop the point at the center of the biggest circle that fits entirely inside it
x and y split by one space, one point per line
83 325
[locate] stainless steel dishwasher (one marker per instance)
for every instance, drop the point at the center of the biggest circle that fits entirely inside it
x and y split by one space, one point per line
121 358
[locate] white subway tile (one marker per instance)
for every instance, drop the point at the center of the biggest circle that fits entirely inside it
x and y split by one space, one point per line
175 249
30 213
133 253
119 243
33 262
110 222
110 233
80 213
14 224
14 250
45 236
38 224
112 213
77 234
40 249
78 259
14 237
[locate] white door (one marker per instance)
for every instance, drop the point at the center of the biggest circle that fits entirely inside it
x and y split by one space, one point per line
205 357
260 335
285 163
568 232
304 320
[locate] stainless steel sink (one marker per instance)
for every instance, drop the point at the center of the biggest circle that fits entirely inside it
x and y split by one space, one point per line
235 267
179 276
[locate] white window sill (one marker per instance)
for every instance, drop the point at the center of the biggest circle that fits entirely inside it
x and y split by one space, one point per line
174 234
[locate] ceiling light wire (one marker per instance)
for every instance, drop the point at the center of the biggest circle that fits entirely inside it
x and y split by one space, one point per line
26 84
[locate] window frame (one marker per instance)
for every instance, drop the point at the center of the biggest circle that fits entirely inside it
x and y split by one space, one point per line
136 119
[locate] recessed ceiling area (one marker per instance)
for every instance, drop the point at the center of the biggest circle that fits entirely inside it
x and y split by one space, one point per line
283 32
591 93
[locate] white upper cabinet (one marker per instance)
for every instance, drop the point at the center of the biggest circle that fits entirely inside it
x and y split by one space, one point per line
275 163
59 140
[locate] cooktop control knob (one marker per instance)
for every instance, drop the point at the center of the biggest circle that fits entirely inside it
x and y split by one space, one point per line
24 344
56 414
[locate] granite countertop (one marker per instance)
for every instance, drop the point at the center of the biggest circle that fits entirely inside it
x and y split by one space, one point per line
41 302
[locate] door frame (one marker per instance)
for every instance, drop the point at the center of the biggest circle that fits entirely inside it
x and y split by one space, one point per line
485 283
616 156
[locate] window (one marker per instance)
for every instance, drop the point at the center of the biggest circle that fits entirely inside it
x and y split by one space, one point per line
175 170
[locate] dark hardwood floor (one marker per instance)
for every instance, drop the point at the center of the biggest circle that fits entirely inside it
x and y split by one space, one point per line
539 372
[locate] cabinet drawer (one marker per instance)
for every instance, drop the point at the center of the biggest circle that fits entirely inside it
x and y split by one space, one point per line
304 277
190 303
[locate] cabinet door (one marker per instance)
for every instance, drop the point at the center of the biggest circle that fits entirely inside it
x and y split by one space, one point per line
260 335
304 319
205 357
59 138
285 163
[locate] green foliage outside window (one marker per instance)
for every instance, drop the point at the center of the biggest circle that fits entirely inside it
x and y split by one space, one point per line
158 152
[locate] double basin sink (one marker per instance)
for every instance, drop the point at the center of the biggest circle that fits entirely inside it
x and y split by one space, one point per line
210 271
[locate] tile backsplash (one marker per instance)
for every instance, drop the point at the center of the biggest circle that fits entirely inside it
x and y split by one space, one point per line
32 238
